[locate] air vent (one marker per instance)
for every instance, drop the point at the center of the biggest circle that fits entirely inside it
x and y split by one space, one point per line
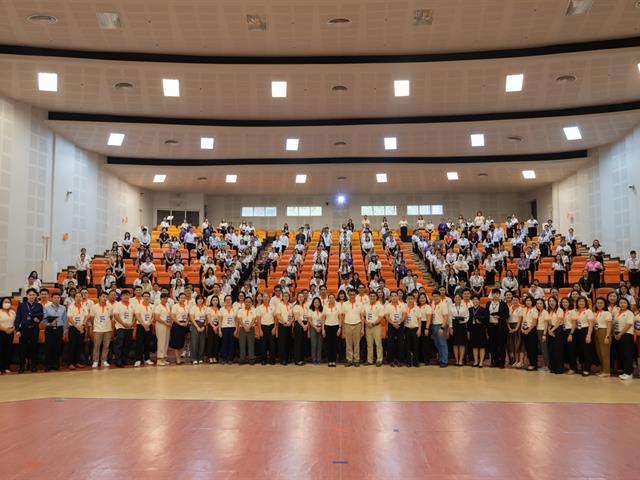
566 79
340 144
579 7
341 178
515 138
339 89
202 179
171 142
42 19
256 23
422 17
339 21
109 20
123 86
483 175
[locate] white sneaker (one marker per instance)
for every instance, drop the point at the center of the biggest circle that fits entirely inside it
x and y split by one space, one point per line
94 365
195 362
625 376
149 362
137 364
200 362
211 360
105 364
161 363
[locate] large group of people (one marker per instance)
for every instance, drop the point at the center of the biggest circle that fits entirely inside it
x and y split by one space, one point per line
237 319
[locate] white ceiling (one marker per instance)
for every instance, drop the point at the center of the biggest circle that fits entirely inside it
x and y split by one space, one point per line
298 27
322 179
244 91
449 139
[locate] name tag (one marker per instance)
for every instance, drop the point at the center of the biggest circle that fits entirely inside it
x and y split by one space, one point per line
183 318
76 319
200 320
396 317
247 322
229 321
102 319
147 317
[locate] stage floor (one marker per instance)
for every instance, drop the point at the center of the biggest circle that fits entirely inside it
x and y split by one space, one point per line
313 422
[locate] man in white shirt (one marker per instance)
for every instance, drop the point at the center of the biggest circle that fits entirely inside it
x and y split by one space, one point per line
440 327
353 317
144 238
123 314
632 265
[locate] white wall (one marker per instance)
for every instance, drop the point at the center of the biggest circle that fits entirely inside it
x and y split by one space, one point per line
37 168
186 201
497 205
596 200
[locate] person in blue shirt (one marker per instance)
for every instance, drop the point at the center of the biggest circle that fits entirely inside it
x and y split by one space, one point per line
28 318
55 321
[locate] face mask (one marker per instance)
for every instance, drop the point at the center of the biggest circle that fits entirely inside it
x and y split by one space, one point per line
6 305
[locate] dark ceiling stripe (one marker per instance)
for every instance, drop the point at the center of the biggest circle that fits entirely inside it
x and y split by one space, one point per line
323 122
322 59
175 162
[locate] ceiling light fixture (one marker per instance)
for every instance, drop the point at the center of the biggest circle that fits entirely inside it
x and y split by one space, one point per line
340 144
115 139
231 178
292 144
452 176
206 143
381 177
565 79
279 89
171 87
515 138
390 143
123 86
256 23
339 21
159 178
423 17
341 199
572 133
171 142
401 88
202 179
42 19
301 178
477 139
47 82
109 20
339 89
514 82
579 7
529 174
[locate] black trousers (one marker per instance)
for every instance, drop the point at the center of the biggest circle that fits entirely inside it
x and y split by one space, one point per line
52 347
76 346
558 278
29 347
122 345
143 343
395 344
331 342
544 249
6 347
411 342
299 341
284 342
584 349
212 345
625 349
531 345
570 350
497 343
82 278
426 344
555 344
268 345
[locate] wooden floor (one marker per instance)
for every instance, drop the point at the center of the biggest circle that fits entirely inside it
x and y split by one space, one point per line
319 383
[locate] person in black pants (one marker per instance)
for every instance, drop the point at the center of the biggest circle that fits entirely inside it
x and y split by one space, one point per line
144 320
267 327
529 332
124 318
28 318
555 337
283 329
396 315
55 318
300 329
497 329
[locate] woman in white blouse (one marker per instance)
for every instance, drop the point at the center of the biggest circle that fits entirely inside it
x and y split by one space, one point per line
529 322
603 324
623 328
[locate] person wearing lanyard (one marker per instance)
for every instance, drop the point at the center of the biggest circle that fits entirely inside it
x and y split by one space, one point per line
374 314
101 319
300 329
515 347
212 347
331 328
478 323
440 327
55 321
583 335
284 322
143 314
27 321
124 316
316 319
594 267
413 331
528 329
623 328
246 318
569 315
603 324
265 316
227 331
395 313
353 329
162 320
179 326
77 322
632 266
426 345
459 315
497 329
541 331
198 321
555 336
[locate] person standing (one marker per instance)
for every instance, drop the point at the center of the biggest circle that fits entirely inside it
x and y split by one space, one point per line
124 316
515 347
7 329
331 329
27 322
246 319
426 314
374 314
555 336
227 331
213 328
603 324
440 327
162 322
478 324
284 322
77 323
528 329
623 328
316 320
265 315
198 321
541 332
412 331
395 313
459 315
584 335
300 329
144 321
497 329
55 321
102 321
353 329
179 326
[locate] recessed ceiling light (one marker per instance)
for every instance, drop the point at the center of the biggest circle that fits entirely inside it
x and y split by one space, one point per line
42 19
341 199
279 89
477 139
47 82
514 82
390 143
401 88
423 17
109 20
381 177
256 22
231 178
159 178
339 21
572 133
565 79
339 89
206 143
123 86
301 178
529 174
292 144
452 175
515 138
115 139
171 87
579 7
340 144
171 142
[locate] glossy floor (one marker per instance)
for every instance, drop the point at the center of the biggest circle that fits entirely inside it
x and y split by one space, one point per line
168 439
